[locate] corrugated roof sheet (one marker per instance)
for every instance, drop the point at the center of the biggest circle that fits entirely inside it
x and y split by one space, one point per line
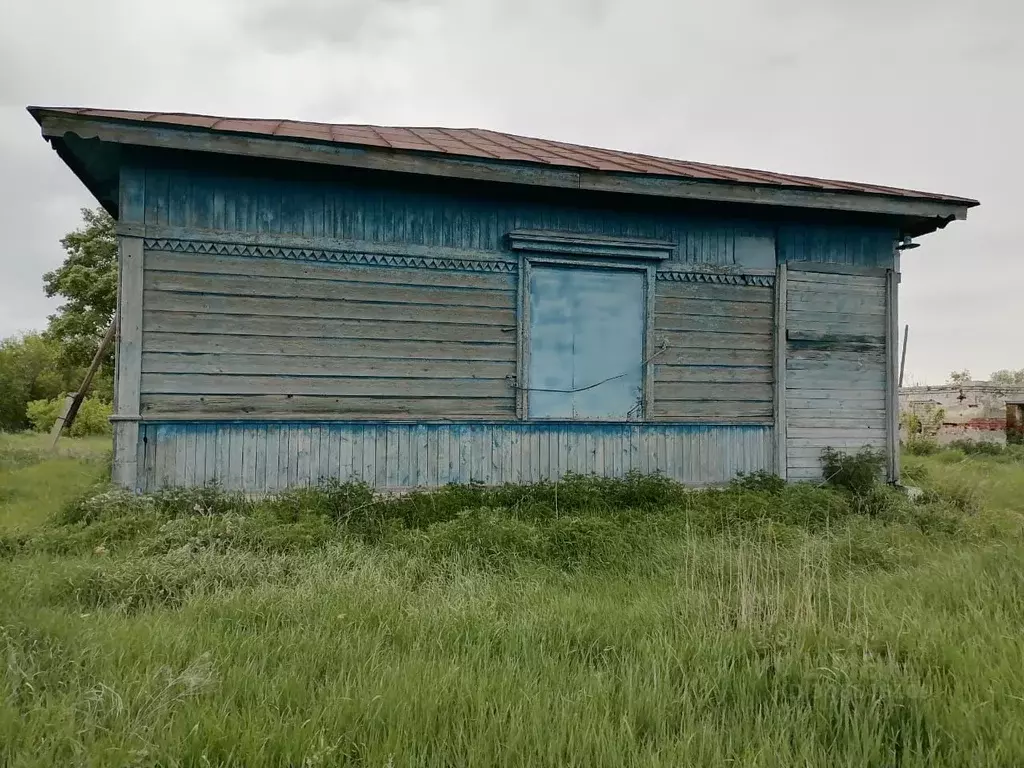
493 145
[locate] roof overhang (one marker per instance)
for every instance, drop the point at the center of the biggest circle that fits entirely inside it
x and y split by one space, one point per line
916 216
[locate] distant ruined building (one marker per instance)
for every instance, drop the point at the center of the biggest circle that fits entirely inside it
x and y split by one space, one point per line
976 410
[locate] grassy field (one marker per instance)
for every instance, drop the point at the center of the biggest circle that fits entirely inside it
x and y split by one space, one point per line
592 624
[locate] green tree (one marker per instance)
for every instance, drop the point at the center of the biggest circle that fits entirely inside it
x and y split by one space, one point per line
87 280
1008 378
960 377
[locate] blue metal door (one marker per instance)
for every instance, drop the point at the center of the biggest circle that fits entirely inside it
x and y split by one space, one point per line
586 343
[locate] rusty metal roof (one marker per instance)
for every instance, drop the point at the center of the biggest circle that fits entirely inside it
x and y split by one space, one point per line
493 145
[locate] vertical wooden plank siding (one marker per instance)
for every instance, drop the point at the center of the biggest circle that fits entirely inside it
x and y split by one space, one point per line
892 361
428 455
426 215
129 362
781 465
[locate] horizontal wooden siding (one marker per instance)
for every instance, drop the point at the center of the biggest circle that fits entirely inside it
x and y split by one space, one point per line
239 336
835 369
713 352
267 457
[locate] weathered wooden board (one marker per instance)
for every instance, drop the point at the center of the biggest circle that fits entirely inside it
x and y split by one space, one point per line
712 392
870 357
830 303
250 325
856 365
712 409
744 374
798 280
260 306
262 457
696 356
828 326
812 449
330 273
704 340
339 386
325 290
817 421
836 395
297 365
867 380
711 307
295 406
287 346
715 323
753 293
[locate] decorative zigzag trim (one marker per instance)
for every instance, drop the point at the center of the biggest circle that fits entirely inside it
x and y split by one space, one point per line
717 277
324 255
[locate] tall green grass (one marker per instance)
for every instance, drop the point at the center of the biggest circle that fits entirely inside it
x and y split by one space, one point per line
592 623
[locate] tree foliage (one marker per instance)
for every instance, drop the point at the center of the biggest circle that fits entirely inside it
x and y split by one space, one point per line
87 281
1008 378
46 366
960 377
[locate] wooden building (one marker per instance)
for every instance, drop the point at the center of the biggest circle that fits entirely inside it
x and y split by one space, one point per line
412 307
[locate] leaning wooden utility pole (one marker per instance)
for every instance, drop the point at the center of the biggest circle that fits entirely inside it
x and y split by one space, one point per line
903 355
74 401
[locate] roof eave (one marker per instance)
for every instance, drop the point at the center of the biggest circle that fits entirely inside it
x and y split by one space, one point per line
923 214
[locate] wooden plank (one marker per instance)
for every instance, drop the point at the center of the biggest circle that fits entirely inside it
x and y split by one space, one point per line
170 301
846 303
819 432
322 290
338 386
874 356
329 407
848 394
834 403
673 290
243 325
814 452
711 307
836 270
329 273
272 365
129 361
667 390
806 279
831 422
692 356
855 366
746 374
891 389
687 322
779 368
838 337
860 381
715 410
823 409
698 340
333 349
834 324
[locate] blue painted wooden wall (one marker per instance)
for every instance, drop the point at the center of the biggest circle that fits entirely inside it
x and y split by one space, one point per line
230 333
356 209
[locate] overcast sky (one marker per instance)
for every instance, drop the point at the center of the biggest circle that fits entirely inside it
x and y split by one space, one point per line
925 94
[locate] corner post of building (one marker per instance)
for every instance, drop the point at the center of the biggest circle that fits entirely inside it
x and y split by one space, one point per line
129 362
892 407
781 459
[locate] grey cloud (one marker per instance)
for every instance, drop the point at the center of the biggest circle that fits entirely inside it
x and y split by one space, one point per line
285 27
